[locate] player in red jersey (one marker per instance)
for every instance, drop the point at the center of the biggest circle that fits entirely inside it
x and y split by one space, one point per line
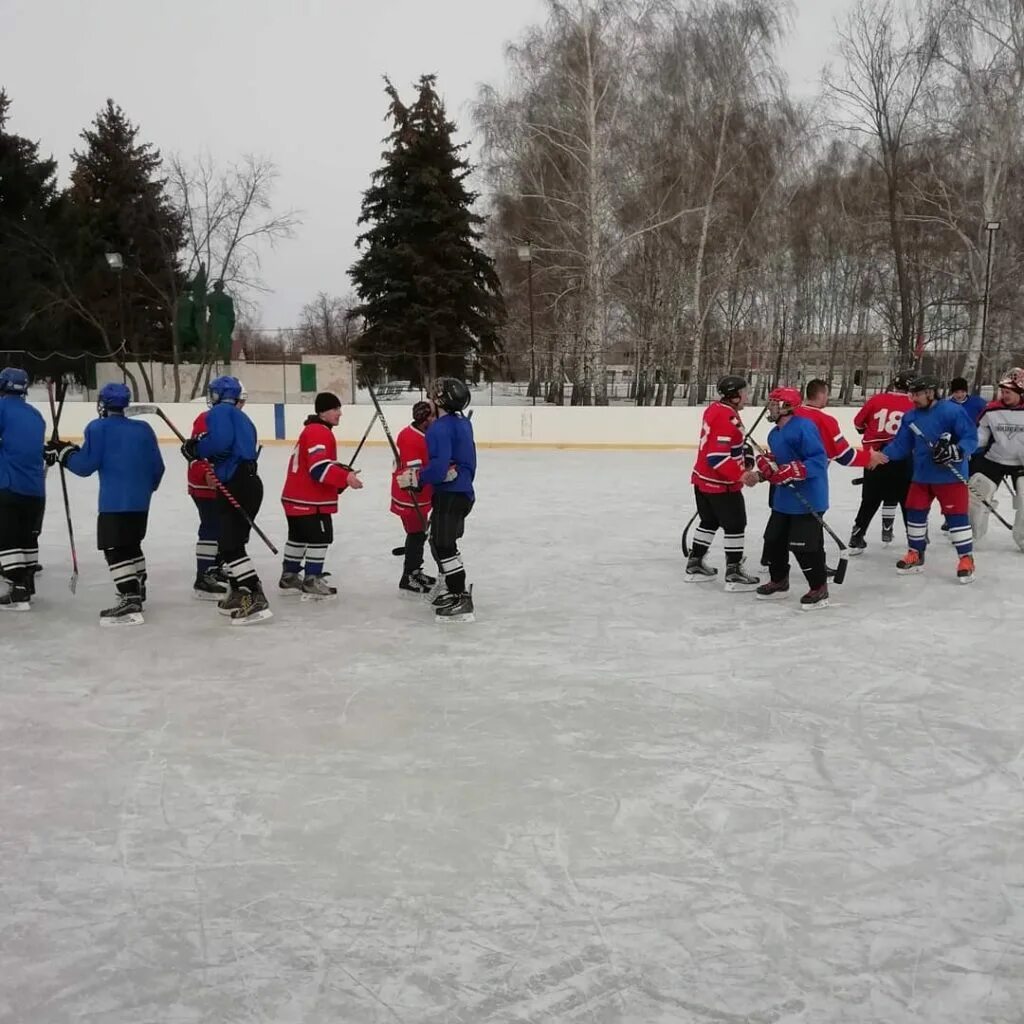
413 507
210 583
837 448
878 421
718 487
310 497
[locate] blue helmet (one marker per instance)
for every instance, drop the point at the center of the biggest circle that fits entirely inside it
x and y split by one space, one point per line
13 381
225 389
113 398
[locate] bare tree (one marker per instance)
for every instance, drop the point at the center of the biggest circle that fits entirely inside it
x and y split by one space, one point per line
325 327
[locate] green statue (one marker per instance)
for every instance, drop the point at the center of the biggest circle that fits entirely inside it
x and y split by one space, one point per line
222 321
185 318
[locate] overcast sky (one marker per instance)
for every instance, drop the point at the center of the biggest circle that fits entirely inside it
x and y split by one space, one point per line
296 80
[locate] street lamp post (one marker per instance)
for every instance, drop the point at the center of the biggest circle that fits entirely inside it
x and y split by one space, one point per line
991 227
526 255
116 263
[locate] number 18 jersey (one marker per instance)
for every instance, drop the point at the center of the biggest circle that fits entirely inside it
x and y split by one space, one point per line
880 417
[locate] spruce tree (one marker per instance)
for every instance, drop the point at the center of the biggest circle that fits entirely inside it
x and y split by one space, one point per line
28 194
430 297
117 203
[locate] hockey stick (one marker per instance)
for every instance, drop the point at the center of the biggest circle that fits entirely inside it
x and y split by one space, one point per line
956 472
840 573
369 427
155 410
55 414
694 517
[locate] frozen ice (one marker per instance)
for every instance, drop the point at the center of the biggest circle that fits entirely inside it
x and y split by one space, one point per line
616 797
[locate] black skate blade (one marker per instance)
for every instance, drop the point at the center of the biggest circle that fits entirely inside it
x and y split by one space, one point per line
319 597
445 619
741 588
699 578
817 606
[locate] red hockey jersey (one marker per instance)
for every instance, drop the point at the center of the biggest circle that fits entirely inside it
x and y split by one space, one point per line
199 469
719 463
314 475
837 448
412 446
879 418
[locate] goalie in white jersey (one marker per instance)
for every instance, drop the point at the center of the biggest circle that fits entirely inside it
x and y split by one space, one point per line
1000 455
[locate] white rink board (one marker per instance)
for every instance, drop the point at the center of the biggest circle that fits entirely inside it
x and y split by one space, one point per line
511 426
614 799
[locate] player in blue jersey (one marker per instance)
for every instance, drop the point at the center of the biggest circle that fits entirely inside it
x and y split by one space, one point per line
230 446
450 471
125 454
939 437
22 488
798 470
959 394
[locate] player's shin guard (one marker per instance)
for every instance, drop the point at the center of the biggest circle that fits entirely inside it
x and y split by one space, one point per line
813 566
733 548
294 553
206 556
960 534
242 572
316 555
917 529
122 571
14 565
889 513
702 541
454 573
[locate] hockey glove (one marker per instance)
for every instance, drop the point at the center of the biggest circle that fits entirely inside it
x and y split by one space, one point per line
766 466
946 452
409 479
58 452
190 448
749 459
789 473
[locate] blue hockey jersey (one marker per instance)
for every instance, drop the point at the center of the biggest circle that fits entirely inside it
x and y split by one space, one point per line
22 436
940 418
798 440
972 405
450 444
230 440
127 457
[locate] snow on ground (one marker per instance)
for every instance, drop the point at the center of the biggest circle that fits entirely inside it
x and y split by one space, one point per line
614 798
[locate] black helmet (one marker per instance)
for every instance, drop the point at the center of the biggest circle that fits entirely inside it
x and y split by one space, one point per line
903 380
925 382
450 394
730 386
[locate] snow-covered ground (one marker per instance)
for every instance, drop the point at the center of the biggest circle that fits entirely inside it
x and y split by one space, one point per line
614 798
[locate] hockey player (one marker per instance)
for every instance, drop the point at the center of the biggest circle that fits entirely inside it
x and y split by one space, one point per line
209 583
878 420
959 394
230 446
1000 455
413 508
22 488
797 467
125 454
450 470
717 480
312 484
939 436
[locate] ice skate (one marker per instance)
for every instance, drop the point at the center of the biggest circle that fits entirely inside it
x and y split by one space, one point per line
416 585
815 599
911 562
289 584
698 572
231 603
772 590
737 581
965 569
887 530
252 608
127 612
459 609
17 599
857 542
315 588
207 588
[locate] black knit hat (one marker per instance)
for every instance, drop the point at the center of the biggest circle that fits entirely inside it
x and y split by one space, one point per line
325 401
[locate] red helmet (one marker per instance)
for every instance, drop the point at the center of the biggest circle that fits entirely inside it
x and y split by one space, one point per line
1014 380
786 396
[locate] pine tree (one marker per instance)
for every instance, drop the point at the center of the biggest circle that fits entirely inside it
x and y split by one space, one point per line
430 298
28 193
117 203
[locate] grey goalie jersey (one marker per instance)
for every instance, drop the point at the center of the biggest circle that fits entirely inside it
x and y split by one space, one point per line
1003 429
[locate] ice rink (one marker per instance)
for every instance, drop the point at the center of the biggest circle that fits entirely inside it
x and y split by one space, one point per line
614 798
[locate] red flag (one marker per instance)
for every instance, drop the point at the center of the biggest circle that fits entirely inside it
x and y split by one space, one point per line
919 351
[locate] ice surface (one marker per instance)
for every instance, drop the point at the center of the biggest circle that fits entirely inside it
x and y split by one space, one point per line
614 798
